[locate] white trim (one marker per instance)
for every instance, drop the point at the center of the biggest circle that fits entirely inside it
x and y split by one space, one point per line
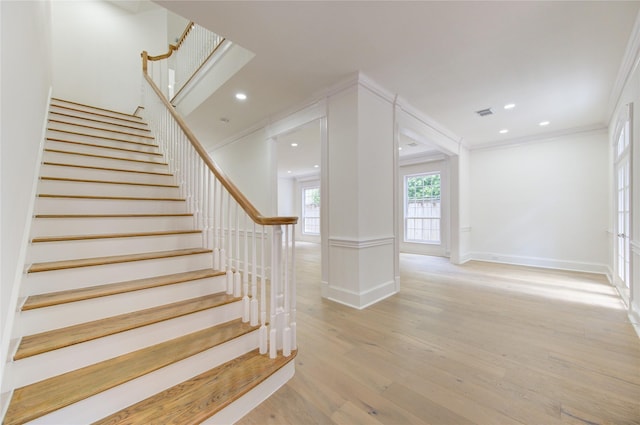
628 66
22 256
537 138
202 71
297 117
422 158
362 243
545 263
363 299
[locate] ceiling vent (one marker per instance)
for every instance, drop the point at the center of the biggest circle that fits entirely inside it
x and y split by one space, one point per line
484 112
412 144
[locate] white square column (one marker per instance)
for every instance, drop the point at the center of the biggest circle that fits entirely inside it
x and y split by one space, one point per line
359 196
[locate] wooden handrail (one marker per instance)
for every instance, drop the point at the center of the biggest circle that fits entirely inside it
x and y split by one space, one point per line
246 205
173 47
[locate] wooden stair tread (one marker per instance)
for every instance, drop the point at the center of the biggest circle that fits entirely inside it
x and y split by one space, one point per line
57 99
101 121
35 400
72 295
44 239
95 136
43 342
129 119
121 198
114 259
113 215
108 130
197 399
92 155
92 145
67 179
91 167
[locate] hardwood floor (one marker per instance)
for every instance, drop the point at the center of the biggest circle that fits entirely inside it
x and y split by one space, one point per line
474 344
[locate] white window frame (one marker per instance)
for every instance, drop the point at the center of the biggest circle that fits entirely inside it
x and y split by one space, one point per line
406 218
303 215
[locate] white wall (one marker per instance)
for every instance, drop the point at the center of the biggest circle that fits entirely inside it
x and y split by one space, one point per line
96 51
542 204
442 167
249 163
25 86
630 95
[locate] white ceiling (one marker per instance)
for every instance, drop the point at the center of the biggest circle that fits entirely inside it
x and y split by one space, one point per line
557 61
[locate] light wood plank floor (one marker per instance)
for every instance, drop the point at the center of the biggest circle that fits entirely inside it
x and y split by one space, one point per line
474 344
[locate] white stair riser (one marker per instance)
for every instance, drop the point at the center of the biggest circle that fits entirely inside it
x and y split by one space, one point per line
66 158
94 174
59 316
145 146
106 206
104 151
60 102
58 121
82 277
40 252
33 369
93 119
132 137
61 187
118 398
80 226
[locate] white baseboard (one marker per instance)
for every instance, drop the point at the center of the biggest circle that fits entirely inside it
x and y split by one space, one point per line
634 318
360 300
546 263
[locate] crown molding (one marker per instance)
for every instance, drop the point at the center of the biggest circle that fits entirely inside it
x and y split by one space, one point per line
590 129
629 64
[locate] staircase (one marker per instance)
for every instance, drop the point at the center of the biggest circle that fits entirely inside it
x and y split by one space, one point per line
123 318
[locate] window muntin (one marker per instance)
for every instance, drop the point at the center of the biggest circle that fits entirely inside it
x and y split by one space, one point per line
422 209
311 210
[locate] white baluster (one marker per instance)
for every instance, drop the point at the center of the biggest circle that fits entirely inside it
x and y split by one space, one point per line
286 331
263 298
254 279
229 259
237 276
246 302
293 324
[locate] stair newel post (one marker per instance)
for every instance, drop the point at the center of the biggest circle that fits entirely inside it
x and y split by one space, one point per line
229 238
237 276
275 324
254 279
246 302
293 325
286 330
263 296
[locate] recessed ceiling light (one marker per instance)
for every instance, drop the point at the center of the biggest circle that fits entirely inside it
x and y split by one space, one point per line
316 166
289 172
543 123
504 131
399 148
241 96
294 144
509 106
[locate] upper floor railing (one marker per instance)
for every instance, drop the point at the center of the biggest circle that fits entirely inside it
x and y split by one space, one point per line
172 71
256 252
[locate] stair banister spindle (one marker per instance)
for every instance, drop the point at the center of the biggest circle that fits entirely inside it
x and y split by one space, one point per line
254 279
246 302
223 253
276 274
229 260
216 235
263 296
237 276
293 324
286 331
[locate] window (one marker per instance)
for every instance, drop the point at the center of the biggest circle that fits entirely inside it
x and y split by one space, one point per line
311 210
422 208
